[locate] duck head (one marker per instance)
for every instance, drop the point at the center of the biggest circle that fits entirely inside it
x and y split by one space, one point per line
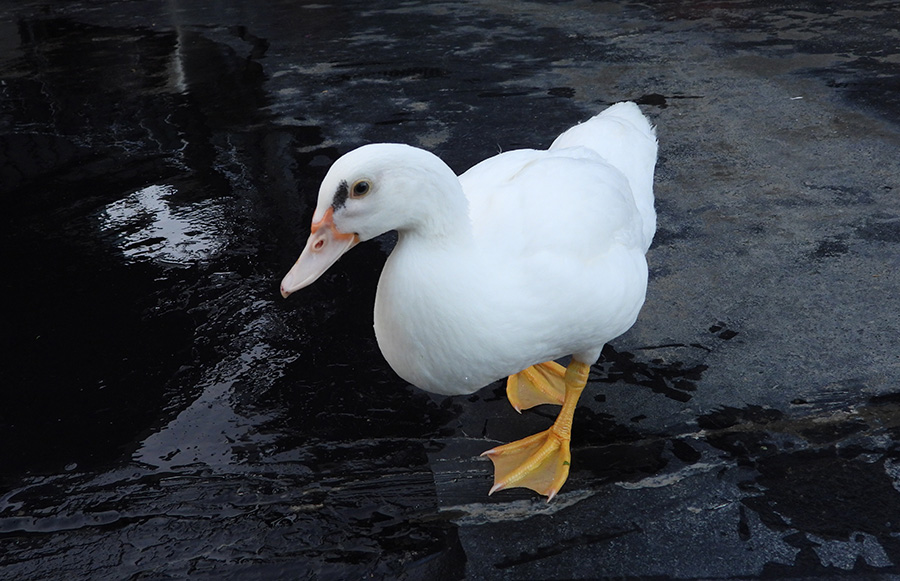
367 192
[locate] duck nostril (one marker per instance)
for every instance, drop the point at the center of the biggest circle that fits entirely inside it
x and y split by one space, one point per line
318 245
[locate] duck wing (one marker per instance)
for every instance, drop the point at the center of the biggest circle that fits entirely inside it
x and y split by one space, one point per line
623 137
567 202
576 186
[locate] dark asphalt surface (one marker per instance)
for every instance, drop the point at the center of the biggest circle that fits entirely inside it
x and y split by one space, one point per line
165 414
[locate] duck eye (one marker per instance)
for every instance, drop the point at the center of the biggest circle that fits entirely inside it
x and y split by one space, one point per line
361 188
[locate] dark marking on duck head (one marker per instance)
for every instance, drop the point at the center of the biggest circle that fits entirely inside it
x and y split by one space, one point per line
340 196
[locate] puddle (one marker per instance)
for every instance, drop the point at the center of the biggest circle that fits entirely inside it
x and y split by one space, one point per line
146 226
823 482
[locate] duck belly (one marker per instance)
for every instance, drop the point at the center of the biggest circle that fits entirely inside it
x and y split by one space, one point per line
451 332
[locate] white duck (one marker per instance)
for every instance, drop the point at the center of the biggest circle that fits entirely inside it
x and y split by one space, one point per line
530 256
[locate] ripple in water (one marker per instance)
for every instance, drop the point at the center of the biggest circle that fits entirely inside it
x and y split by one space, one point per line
148 226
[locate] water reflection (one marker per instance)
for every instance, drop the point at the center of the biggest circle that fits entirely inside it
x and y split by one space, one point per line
164 390
125 152
149 227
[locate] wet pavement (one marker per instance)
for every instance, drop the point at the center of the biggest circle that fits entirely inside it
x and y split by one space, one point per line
166 414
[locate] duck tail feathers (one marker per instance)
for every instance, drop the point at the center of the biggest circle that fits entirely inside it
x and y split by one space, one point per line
623 136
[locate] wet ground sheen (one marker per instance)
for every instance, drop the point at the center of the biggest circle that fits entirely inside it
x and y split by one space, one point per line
165 414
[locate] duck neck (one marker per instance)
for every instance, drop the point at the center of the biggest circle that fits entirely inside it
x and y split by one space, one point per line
445 220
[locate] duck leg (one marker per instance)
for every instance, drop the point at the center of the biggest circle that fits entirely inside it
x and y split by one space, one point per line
539 384
541 462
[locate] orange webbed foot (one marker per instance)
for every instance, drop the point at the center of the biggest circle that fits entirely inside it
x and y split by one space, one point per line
541 462
543 383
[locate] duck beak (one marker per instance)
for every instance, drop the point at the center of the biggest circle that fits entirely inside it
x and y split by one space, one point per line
323 248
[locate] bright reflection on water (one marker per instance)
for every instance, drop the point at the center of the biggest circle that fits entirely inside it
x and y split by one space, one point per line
150 227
